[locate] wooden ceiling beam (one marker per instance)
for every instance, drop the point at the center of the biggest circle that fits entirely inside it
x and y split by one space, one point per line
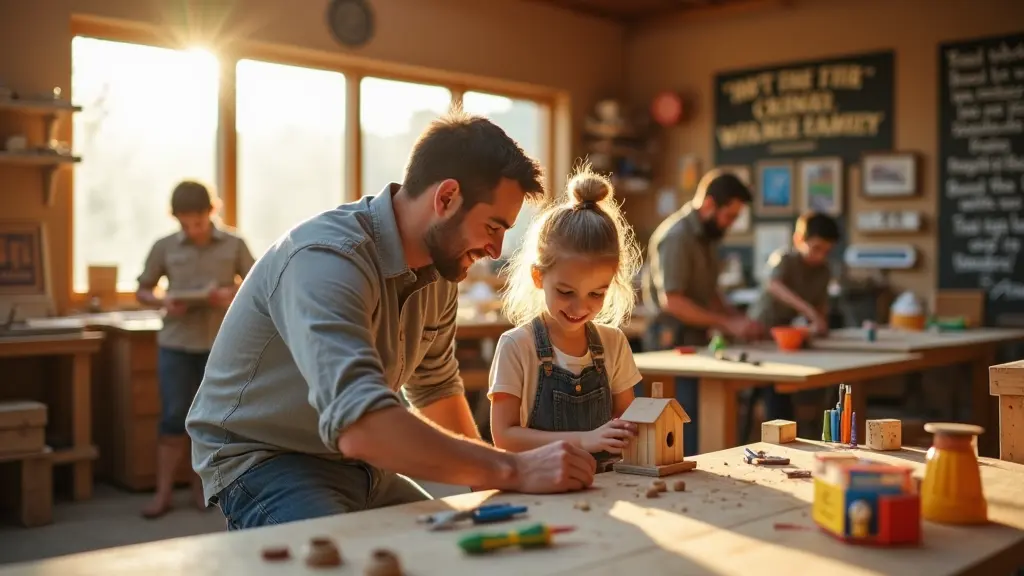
711 11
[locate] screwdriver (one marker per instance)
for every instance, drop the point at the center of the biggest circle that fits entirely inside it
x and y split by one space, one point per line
534 536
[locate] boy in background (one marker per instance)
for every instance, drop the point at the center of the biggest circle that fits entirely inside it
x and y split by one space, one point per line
797 285
198 256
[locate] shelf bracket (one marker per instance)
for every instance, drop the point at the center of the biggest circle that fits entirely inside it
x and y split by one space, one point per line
49 184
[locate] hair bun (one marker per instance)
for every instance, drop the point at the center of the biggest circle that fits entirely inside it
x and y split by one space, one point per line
589 187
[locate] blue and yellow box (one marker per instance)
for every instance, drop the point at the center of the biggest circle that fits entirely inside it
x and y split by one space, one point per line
866 503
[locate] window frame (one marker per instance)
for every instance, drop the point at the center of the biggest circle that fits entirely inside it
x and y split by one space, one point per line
553 103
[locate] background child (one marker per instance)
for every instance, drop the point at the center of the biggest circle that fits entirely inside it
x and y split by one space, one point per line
566 369
201 254
797 285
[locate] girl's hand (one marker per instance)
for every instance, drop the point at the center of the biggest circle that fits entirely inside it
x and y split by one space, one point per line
613 437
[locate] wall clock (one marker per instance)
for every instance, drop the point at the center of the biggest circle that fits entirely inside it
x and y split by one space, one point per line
350 21
667 108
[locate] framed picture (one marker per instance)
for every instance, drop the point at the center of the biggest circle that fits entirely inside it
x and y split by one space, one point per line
774 193
769 237
22 259
821 185
889 174
24 269
689 173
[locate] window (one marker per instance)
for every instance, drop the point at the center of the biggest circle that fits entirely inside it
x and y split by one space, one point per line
522 121
391 117
291 147
148 120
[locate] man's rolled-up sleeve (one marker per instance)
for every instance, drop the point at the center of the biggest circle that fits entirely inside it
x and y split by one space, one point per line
437 375
322 305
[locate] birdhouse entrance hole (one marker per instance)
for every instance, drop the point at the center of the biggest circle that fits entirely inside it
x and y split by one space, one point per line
670 439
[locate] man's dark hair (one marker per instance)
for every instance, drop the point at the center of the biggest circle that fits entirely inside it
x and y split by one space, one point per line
191 197
723 188
817 225
475 152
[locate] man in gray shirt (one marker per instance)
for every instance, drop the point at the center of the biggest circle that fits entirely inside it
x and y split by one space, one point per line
297 415
681 281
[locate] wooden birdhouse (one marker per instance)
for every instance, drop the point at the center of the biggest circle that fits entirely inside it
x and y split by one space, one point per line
657 449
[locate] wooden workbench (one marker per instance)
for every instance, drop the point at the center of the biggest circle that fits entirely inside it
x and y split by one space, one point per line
79 347
720 381
1006 381
724 523
975 348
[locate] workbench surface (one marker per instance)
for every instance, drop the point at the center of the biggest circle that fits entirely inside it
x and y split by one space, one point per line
724 523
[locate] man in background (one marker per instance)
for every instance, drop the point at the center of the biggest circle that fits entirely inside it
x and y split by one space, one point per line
201 256
681 281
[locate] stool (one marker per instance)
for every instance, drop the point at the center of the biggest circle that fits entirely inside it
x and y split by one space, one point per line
33 497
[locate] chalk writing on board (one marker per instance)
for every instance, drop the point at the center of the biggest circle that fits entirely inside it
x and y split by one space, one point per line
826 107
982 169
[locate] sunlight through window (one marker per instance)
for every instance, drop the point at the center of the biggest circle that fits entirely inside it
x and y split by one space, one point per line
291 147
521 120
148 120
392 115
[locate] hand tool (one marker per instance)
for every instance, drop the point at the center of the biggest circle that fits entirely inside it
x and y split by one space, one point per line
481 515
761 459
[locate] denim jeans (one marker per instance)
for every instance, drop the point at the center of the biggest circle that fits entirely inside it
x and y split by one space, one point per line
179 374
291 487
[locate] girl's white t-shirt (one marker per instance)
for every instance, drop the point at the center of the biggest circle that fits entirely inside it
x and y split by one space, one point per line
515 368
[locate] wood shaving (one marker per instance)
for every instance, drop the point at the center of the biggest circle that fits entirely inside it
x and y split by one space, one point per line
582 505
652 492
322 552
679 486
659 485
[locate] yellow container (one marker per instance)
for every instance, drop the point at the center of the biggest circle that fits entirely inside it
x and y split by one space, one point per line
907 322
951 492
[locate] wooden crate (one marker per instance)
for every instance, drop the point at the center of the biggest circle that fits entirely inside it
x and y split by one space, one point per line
22 426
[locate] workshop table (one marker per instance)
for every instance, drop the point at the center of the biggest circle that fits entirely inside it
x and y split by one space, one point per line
730 520
975 347
78 348
721 381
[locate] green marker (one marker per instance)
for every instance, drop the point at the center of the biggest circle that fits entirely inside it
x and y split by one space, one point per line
534 536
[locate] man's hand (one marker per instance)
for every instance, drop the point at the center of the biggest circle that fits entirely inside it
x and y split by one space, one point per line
613 437
221 297
819 324
739 326
556 467
175 307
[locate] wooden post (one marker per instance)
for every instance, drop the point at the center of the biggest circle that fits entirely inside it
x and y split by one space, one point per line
656 390
1007 382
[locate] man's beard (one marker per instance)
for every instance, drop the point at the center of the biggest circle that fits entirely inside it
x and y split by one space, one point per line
447 248
712 230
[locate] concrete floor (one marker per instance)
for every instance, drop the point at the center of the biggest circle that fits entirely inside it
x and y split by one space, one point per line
111 518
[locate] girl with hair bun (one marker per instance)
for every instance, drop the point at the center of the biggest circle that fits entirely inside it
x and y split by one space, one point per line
566 372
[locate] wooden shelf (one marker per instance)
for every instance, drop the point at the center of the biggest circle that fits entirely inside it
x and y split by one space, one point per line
51 111
44 107
48 162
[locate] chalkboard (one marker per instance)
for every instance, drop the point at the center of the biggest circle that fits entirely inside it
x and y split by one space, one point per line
981 172
835 107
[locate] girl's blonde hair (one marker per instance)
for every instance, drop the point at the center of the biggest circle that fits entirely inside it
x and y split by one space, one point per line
586 222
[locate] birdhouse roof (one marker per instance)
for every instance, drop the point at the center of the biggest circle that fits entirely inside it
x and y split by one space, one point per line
648 410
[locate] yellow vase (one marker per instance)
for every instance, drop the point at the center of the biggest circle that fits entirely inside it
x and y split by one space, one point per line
951 492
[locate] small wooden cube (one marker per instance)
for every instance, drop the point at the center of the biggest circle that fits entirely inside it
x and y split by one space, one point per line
778 431
885 434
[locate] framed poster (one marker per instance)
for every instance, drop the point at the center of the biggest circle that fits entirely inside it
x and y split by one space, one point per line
769 237
821 185
774 190
24 269
889 175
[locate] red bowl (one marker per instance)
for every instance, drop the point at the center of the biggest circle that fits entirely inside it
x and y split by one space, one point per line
789 338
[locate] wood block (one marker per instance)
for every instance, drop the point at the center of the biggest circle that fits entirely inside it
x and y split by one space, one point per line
778 431
665 470
885 434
